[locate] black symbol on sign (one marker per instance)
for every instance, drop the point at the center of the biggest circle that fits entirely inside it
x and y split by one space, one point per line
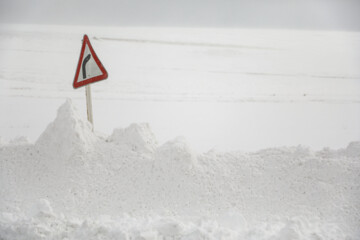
83 65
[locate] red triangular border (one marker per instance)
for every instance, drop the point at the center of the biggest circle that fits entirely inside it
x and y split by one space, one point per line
104 74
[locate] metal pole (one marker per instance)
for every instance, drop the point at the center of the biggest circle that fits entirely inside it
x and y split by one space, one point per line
89 105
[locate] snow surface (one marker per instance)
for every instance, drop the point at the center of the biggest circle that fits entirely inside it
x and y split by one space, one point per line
217 87
77 184
223 89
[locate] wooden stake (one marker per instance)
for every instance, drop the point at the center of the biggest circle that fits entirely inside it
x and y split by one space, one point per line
89 105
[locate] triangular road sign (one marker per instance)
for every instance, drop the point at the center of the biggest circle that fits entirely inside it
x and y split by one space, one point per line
89 68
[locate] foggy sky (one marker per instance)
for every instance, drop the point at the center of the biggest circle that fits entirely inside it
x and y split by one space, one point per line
289 14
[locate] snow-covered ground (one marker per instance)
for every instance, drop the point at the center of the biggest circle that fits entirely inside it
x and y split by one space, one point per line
241 90
224 88
74 184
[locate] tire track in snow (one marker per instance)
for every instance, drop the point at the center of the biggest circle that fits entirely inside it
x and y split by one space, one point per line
199 44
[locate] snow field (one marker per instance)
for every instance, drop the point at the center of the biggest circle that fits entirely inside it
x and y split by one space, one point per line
215 86
230 88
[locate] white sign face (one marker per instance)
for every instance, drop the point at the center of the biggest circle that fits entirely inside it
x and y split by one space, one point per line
89 67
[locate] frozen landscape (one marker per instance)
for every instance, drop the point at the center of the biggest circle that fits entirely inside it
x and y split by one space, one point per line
270 119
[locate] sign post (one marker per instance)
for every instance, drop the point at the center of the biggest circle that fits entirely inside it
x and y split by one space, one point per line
91 71
89 104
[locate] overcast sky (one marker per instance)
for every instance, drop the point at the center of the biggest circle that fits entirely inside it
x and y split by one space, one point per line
303 14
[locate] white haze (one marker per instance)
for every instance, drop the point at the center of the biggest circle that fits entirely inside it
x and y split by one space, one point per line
290 14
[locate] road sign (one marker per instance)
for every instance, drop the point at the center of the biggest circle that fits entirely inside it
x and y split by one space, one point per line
89 69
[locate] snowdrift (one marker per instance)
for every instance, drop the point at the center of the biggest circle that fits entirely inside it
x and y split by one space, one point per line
76 184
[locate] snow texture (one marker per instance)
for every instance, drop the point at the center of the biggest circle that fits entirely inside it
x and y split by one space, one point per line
216 86
77 184
138 137
67 135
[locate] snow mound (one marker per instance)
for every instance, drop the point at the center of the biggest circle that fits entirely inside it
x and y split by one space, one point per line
68 134
138 137
177 151
263 194
21 140
42 208
353 149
